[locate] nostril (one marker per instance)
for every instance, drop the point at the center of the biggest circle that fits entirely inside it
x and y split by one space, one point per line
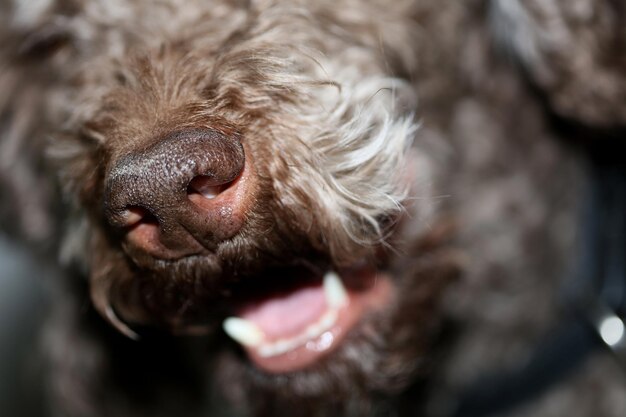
133 216
206 186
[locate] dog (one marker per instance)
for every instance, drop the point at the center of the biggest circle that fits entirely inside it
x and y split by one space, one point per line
272 207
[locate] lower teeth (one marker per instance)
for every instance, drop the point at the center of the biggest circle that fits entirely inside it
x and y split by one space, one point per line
313 331
249 334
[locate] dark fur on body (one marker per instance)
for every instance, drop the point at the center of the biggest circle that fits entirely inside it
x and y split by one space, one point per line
493 194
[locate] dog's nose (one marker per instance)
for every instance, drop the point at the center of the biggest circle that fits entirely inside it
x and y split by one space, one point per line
180 196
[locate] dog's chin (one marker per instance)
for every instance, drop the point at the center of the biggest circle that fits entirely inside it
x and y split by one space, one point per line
343 370
371 353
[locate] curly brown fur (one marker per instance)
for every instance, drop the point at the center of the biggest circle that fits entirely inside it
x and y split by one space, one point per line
414 135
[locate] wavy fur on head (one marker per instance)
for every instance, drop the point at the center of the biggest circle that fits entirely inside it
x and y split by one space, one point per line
415 136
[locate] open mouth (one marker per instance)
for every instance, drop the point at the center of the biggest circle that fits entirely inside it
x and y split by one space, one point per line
292 328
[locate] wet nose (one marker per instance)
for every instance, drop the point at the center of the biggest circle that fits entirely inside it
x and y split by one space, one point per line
175 198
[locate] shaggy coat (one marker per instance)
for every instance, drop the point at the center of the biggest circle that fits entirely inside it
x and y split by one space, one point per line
418 138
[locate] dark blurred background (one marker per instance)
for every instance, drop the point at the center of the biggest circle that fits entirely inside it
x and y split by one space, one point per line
22 311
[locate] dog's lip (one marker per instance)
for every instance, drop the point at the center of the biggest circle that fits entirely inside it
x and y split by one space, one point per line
290 346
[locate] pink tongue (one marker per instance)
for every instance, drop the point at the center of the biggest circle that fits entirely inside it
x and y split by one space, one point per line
287 314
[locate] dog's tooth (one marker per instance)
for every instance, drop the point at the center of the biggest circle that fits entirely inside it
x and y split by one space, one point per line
313 331
284 345
336 295
328 320
278 347
267 351
243 331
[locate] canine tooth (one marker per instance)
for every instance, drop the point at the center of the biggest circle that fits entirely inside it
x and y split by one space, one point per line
243 331
336 295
